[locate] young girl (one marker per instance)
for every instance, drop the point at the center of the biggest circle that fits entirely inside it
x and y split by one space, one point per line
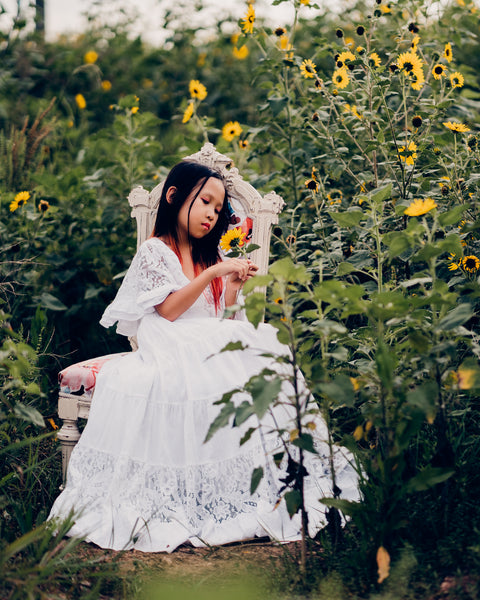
141 475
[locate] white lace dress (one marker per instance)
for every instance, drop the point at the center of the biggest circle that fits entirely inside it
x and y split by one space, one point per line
141 475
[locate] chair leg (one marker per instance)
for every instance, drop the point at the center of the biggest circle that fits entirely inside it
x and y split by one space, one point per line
69 434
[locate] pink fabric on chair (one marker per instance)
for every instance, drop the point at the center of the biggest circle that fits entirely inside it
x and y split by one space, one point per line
83 374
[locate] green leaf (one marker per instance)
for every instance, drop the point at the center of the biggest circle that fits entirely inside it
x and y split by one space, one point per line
382 194
243 412
385 361
28 413
247 435
255 307
453 215
305 442
458 316
220 420
340 390
344 268
397 242
424 397
49 301
349 218
277 104
347 507
427 478
257 477
293 500
256 282
232 346
263 392
286 270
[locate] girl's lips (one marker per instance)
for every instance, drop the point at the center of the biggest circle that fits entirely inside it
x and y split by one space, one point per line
206 226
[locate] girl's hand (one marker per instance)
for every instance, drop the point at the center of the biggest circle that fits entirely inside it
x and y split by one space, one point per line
238 270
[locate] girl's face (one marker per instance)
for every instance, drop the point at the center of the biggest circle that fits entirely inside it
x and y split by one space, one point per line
204 212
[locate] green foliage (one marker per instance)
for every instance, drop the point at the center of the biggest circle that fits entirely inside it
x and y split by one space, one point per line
374 279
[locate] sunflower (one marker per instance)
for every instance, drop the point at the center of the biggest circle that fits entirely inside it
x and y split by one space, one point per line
20 199
243 144
417 121
374 60
231 130
187 115
456 79
312 185
308 68
439 71
335 197
90 57
453 266
420 207
342 58
466 378
240 53
447 53
106 85
472 143
415 43
234 238
353 109
43 205
80 101
197 89
340 77
284 43
444 185
417 84
249 20
457 127
410 63
408 154
471 263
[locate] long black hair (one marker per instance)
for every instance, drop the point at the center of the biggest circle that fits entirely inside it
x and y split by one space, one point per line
188 177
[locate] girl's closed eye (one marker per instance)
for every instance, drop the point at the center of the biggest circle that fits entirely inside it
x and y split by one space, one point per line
207 201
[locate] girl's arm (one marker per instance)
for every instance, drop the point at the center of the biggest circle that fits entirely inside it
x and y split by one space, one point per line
176 303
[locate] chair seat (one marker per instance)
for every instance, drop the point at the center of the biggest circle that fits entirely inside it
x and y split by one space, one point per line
81 377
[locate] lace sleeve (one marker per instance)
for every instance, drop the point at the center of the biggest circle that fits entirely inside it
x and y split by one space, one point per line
156 275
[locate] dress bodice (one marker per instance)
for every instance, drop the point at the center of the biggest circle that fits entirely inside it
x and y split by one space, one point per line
154 273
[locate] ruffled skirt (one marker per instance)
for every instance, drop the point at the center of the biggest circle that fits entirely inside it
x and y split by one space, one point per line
141 475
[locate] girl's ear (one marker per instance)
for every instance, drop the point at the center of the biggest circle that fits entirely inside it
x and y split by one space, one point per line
170 195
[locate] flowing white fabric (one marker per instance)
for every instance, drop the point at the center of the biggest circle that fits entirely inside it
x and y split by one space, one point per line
141 475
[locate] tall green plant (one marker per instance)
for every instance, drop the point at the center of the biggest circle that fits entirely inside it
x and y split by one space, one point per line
371 122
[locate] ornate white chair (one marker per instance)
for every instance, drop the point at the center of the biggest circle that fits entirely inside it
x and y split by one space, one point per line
254 212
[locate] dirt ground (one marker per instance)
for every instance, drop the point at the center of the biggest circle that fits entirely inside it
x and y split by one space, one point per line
206 568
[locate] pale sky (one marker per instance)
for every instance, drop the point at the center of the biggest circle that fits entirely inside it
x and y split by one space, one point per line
65 16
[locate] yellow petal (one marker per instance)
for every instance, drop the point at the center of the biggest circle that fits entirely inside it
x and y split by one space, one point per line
383 562
358 433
